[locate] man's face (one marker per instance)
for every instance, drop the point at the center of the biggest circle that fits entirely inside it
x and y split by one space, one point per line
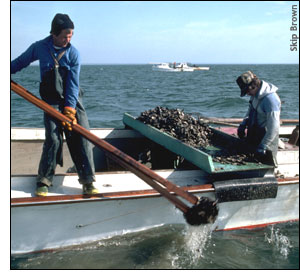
252 90
63 39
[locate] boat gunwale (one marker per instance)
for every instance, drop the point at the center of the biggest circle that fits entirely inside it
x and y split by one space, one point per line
135 194
121 195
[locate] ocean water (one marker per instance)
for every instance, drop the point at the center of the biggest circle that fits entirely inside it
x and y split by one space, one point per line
179 247
112 90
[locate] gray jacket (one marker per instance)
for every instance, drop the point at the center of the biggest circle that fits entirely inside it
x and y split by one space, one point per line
264 114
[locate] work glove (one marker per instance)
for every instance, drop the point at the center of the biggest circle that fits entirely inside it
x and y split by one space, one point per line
241 131
260 152
263 156
70 113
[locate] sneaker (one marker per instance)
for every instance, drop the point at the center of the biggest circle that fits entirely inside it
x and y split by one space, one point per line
89 189
41 190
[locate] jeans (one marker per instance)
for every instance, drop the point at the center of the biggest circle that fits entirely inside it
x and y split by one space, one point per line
79 147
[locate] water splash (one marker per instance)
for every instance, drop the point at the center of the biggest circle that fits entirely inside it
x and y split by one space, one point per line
280 242
196 241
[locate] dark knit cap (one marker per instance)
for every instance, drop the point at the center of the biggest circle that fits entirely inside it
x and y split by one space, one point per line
61 22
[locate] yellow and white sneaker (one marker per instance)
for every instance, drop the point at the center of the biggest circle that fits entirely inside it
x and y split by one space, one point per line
89 189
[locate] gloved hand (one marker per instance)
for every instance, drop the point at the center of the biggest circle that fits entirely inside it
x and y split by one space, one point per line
260 152
70 113
241 131
265 156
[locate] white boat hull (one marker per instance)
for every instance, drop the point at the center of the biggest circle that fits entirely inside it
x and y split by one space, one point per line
69 220
126 203
46 227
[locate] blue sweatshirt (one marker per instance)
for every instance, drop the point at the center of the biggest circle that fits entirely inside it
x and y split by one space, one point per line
40 50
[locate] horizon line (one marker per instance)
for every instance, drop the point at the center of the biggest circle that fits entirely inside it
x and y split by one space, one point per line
151 63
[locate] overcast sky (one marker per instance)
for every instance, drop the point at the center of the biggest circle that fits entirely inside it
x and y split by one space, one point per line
208 32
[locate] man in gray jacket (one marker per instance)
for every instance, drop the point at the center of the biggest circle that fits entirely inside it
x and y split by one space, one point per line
262 119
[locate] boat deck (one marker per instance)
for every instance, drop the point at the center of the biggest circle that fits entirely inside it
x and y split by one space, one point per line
26 151
106 182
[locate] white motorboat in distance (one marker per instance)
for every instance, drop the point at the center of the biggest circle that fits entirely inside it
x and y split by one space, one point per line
181 67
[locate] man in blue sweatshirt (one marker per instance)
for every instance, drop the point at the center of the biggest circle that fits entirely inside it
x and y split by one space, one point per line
59 72
262 119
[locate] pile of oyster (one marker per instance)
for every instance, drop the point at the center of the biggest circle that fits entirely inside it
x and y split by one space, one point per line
179 125
191 131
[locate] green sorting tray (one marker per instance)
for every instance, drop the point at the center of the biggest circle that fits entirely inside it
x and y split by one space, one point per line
197 157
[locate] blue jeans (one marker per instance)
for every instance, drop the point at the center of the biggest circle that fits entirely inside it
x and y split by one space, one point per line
79 147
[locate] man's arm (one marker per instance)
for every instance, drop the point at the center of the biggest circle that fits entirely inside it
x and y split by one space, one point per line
272 110
72 81
24 59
